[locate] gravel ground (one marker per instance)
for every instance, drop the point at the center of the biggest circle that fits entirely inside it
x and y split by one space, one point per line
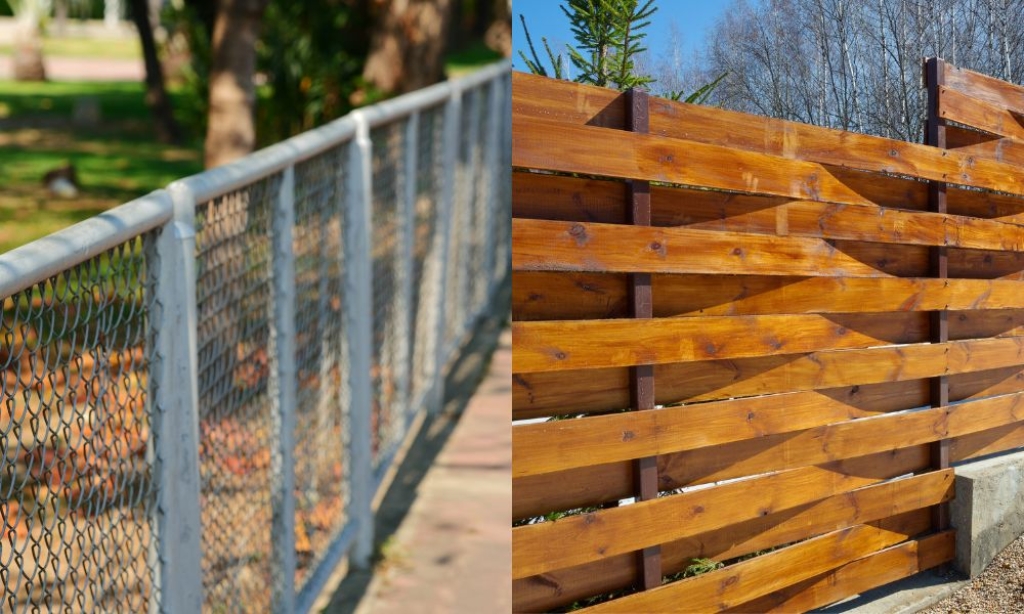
1000 588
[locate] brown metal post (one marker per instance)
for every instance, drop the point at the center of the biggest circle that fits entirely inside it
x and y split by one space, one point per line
935 134
641 377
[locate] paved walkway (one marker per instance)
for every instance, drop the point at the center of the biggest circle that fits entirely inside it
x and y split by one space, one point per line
84 69
451 550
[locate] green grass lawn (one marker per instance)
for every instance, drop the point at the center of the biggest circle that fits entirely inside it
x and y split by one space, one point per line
117 159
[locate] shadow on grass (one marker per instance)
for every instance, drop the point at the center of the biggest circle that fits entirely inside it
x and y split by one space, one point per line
462 381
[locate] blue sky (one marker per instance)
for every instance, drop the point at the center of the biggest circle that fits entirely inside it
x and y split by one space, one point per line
545 19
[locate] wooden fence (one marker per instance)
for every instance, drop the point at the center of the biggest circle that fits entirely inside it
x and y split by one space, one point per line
808 325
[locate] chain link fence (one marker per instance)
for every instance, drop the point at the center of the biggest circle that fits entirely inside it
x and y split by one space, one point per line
203 388
76 487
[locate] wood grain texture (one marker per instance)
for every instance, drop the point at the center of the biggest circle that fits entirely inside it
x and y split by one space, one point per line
602 390
545 295
765 136
565 444
709 210
540 548
558 197
595 344
859 576
991 90
981 114
867 505
743 582
539 494
540 245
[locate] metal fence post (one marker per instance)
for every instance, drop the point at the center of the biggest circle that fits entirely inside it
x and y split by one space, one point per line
174 415
445 207
283 394
358 308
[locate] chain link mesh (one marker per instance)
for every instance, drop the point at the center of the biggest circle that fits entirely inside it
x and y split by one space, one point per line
426 238
321 426
76 489
476 232
390 320
234 309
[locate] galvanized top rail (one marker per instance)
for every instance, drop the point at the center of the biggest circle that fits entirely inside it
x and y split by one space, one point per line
24 266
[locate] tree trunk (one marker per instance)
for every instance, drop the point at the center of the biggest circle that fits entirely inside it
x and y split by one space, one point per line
231 132
407 45
159 103
28 46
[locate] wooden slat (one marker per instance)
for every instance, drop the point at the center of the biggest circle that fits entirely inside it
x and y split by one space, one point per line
859 576
593 344
556 197
870 504
550 146
978 113
543 547
742 582
544 295
704 210
987 442
986 383
541 245
539 494
560 393
576 105
980 324
984 87
991 147
565 444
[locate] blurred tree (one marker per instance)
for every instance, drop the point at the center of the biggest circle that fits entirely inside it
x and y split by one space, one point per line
407 44
28 40
230 129
313 75
159 103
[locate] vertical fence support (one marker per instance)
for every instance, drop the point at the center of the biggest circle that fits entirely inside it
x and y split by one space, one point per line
174 413
641 377
405 308
358 307
445 210
935 134
283 394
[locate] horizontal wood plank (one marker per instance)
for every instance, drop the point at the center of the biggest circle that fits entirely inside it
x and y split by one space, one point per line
540 548
601 390
563 104
559 197
978 113
860 576
592 485
708 210
991 90
595 344
545 295
565 444
742 582
540 245
870 504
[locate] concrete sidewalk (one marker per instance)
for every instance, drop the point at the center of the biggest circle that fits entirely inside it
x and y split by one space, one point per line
450 548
